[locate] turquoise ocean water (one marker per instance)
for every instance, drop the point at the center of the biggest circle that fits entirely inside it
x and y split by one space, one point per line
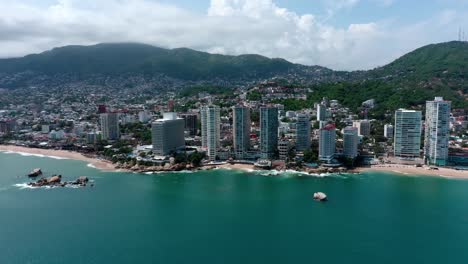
228 217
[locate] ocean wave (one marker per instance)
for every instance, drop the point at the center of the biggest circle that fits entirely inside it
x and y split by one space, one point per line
25 186
293 173
25 154
167 172
288 173
90 165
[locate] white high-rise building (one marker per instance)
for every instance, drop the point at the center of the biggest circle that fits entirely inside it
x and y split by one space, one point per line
322 112
388 131
168 134
210 124
110 126
327 142
437 131
350 142
241 133
407 142
303 132
363 126
268 131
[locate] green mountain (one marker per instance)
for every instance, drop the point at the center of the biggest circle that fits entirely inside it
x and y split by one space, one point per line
130 58
433 70
445 60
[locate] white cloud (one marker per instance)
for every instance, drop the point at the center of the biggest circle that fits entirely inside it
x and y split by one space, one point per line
228 27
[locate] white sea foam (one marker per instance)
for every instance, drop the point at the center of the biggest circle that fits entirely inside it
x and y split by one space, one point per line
167 172
25 154
184 171
91 166
25 186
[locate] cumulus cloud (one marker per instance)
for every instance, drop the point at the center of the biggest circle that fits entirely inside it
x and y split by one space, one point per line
228 27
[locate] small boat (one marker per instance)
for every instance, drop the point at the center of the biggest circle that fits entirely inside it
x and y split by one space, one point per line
35 173
320 196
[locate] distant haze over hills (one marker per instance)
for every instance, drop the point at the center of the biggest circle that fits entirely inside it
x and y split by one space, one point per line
433 69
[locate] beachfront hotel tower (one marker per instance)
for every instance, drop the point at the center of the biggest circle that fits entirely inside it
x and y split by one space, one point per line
437 131
268 131
327 142
241 133
168 134
110 126
407 133
350 142
210 126
303 132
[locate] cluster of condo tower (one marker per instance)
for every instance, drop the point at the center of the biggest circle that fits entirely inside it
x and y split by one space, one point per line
408 127
168 133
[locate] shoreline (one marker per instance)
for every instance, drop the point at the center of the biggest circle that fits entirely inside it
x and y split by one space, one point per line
61 154
109 167
416 171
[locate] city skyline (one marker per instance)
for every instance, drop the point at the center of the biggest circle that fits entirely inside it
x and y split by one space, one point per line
227 131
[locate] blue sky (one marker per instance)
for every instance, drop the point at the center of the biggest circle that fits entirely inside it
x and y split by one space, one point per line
403 11
340 34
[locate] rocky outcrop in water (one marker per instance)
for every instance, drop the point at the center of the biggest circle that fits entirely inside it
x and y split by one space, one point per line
34 173
56 181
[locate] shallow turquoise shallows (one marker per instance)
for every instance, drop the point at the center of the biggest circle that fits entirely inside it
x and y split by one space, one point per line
229 217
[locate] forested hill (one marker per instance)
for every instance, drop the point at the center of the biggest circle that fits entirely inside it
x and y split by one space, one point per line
433 70
438 69
131 58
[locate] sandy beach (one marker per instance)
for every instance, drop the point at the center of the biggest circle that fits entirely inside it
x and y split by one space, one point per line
238 166
108 166
99 164
418 171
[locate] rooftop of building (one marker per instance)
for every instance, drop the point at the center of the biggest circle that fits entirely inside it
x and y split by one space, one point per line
170 116
439 99
329 127
408 111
